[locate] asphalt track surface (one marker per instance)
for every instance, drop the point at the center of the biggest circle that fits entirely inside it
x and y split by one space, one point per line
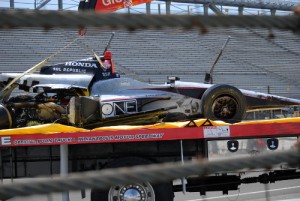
279 191
284 191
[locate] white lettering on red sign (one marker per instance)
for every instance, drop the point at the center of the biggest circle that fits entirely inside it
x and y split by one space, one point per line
6 140
110 2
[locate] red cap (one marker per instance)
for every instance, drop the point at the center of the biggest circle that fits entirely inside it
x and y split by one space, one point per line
107 55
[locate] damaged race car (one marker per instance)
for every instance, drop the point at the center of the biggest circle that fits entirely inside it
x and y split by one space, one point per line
89 93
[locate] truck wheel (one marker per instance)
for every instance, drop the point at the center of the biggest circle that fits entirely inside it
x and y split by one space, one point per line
135 191
223 102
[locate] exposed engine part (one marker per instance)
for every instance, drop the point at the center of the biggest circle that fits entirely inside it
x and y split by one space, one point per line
50 110
24 109
5 118
83 110
39 112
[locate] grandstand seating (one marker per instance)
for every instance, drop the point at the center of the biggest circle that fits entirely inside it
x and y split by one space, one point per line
252 59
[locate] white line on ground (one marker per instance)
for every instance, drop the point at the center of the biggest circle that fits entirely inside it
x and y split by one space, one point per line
243 194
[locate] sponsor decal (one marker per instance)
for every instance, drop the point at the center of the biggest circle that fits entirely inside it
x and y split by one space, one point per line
110 109
44 141
106 74
58 69
65 69
24 142
121 137
82 138
81 64
74 70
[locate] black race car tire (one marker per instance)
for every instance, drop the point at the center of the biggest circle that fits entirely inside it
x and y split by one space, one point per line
162 191
223 102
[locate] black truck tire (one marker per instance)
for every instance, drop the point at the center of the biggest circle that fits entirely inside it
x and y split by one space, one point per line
157 192
223 102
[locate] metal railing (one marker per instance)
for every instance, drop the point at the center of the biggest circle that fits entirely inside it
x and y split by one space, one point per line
49 19
157 172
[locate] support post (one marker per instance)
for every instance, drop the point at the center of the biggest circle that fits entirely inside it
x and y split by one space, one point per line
12 4
205 9
273 12
168 7
159 12
148 8
182 161
241 10
64 167
60 5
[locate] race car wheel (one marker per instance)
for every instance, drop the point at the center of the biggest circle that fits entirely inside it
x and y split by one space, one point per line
143 191
223 102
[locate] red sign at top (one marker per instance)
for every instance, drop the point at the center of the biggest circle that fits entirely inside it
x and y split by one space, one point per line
113 5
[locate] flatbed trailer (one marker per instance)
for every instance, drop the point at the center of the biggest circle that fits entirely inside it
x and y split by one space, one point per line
50 149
